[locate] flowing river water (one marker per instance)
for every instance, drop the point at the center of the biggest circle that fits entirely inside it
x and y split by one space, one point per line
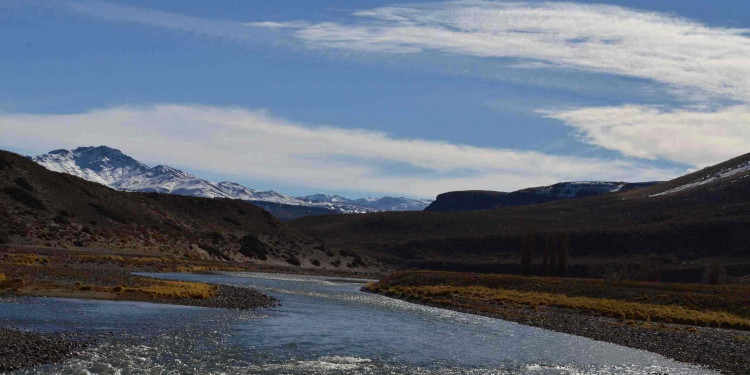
324 326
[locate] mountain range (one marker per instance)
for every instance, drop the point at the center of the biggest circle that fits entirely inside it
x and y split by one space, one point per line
111 167
45 209
675 229
483 200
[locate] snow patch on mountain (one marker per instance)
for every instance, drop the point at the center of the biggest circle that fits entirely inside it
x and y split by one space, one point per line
111 167
721 174
101 164
577 189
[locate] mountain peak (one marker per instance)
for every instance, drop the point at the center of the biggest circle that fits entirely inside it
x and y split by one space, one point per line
109 166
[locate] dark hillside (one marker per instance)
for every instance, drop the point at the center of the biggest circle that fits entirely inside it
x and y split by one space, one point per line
684 229
49 209
466 200
483 200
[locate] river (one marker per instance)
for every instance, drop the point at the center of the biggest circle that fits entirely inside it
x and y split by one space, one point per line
324 326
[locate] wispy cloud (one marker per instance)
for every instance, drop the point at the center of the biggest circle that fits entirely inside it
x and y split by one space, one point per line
692 137
254 143
598 38
698 63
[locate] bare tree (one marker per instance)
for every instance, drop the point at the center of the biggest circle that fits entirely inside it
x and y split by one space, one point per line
562 262
527 250
547 258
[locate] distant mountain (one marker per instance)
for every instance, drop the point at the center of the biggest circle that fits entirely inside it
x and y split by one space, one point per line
483 200
109 166
41 208
672 230
98 164
368 204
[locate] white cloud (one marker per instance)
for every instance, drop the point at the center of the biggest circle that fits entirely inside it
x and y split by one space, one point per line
699 63
599 38
697 138
255 144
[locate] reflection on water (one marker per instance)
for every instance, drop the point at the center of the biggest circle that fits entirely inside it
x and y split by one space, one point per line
325 326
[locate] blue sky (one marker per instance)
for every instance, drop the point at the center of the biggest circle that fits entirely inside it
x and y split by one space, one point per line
382 97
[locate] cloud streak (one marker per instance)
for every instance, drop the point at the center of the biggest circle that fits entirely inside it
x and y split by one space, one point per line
700 64
256 144
692 137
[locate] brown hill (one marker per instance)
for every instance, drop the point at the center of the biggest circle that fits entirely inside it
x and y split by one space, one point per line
680 224
48 209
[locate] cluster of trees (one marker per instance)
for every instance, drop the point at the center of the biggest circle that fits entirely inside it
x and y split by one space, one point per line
555 255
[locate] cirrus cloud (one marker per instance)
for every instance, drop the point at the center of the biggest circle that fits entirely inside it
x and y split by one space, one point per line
256 144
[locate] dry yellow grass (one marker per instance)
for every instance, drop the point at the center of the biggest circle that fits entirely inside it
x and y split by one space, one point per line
176 290
608 307
27 259
100 258
2 276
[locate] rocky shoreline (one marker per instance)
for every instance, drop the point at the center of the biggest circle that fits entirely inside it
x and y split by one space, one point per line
19 349
718 349
228 297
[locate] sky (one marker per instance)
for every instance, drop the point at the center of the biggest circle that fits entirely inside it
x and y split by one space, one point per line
368 98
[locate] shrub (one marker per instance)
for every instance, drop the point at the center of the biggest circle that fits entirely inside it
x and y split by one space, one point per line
23 197
213 251
315 262
106 212
232 220
293 261
86 287
24 184
252 247
357 262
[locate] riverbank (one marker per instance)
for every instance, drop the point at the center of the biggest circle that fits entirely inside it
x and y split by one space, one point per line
20 349
725 350
110 277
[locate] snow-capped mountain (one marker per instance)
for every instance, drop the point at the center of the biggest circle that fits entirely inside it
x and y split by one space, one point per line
368 204
729 171
109 166
99 164
165 179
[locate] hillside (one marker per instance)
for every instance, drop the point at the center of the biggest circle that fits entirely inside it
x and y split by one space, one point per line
111 167
484 200
667 224
49 209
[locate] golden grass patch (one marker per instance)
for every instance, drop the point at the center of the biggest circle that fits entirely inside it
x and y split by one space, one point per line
608 307
176 290
27 259
99 258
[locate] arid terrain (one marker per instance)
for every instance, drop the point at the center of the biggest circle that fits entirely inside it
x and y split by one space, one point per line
702 324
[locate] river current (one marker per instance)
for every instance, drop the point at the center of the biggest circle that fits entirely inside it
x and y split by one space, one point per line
324 326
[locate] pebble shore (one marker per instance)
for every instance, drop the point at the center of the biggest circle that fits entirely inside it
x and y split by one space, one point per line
727 351
19 349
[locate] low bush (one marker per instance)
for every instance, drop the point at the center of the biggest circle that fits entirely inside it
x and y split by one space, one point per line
24 184
293 260
108 213
23 197
252 247
232 220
